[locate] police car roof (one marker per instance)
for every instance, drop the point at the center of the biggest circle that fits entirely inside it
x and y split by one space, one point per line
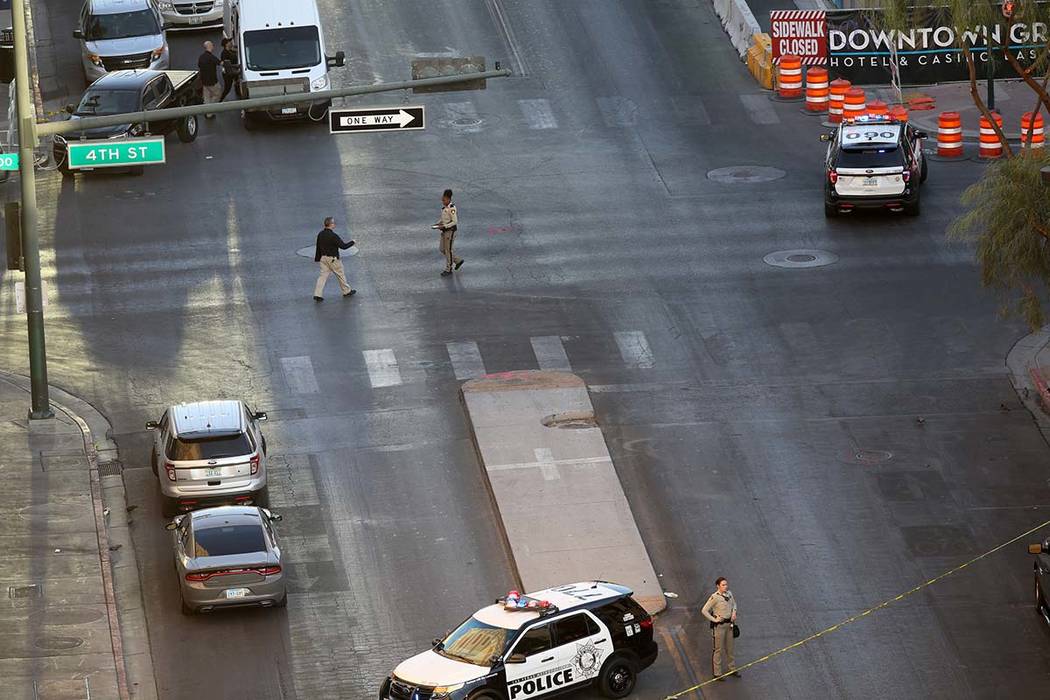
585 594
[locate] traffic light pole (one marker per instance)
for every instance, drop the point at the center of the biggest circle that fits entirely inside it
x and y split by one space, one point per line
40 407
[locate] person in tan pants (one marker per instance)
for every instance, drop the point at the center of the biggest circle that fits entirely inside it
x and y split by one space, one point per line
720 611
326 254
448 224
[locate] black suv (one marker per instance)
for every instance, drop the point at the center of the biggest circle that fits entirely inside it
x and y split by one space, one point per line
537 645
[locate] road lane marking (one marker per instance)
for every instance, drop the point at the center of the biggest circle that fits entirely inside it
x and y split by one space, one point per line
574 462
634 349
299 373
382 367
548 467
759 109
538 114
550 353
466 359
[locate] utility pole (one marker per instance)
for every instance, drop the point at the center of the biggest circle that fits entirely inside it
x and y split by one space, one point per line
40 407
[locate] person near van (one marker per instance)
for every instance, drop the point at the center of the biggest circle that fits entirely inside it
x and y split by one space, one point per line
326 253
208 69
447 224
720 611
230 66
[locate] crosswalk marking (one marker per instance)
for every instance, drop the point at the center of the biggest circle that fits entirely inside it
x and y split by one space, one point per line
299 373
382 367
618 112
634 349
550 353
759 109
538 114
466 359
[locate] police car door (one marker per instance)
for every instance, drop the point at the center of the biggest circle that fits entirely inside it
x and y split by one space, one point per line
583 642
531 665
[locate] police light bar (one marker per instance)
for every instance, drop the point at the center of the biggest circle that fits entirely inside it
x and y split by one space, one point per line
516 602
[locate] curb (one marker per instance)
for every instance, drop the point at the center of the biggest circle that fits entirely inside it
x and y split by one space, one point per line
133 659
1028 380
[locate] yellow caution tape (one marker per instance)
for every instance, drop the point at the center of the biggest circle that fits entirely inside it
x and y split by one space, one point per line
869 611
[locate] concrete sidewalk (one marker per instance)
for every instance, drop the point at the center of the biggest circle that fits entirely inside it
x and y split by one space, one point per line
563 510
71 608
1029 364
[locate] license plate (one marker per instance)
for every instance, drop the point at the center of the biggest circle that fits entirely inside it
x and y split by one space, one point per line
195 20
870 182
288 110
236 592
213 471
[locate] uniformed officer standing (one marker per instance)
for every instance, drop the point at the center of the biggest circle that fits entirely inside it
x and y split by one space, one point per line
720 611
447 224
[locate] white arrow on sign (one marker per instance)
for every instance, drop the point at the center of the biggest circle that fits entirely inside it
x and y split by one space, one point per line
402 119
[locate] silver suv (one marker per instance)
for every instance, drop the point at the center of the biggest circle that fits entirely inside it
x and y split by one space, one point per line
209 452
120 34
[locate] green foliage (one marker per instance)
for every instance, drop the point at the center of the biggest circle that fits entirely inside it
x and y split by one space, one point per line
961 14
1008 218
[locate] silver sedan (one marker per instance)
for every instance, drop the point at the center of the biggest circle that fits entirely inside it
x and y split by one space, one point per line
228 557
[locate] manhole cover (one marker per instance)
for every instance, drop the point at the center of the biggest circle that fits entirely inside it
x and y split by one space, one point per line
745 173
58 642
66 616
871 457
800 258
466 121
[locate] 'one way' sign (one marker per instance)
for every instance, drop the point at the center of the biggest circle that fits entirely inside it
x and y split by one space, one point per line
382 119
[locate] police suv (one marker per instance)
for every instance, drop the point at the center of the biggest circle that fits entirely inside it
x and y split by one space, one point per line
873 163
542 644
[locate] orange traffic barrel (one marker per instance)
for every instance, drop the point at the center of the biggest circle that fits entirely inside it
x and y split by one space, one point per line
789 77
899 112
949 135
1037 130
990 146
878 108
816 89
854 104
836 97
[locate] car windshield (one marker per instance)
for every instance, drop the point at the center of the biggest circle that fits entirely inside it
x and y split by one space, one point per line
187 448
281 49
224 540
475 642
887 157
100 102
120 25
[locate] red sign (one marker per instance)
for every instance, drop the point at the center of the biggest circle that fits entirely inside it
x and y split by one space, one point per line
801 33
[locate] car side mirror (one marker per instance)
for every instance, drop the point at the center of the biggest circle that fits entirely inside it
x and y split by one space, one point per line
437 642
259 415
515 659
825 137
78 34
152 425
276 517
337 61
70 108
1036 549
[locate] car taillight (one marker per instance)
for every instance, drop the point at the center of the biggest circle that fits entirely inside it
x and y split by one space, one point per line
198 577
170 469
269 570
906 175
255 464
647 624
833 176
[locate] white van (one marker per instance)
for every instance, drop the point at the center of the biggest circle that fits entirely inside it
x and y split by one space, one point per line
280 44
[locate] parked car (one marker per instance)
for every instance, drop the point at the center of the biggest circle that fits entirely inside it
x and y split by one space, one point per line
228 557
191 14
212 452
120 34
133 91
1042 577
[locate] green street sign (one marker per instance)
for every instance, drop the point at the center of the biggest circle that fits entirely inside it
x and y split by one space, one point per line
8 161
115 153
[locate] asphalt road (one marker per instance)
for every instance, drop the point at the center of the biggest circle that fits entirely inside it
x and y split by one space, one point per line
764 420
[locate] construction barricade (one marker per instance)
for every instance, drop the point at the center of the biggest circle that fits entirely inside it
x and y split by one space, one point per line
949 135
989 145
836 98
877 108
854 105
816 89
789 77
899 113
760 60
1036 128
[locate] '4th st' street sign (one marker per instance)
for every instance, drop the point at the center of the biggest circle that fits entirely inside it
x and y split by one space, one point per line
382 119
115 153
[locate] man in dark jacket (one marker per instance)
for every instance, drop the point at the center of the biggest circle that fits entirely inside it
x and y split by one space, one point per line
230 66
326 253
208 69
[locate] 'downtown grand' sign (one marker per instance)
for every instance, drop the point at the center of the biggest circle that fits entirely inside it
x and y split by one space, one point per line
864 53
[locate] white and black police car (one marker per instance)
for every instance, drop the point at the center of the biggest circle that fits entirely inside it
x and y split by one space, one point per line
873 162
564 638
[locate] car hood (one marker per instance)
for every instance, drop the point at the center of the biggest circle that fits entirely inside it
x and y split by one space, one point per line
100 132
431 669
127 45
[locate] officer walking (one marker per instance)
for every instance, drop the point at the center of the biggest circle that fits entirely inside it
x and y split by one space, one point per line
720 611
326 253
447 224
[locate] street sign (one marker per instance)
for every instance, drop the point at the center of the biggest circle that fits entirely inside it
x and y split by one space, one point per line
8 161
115 153
382 119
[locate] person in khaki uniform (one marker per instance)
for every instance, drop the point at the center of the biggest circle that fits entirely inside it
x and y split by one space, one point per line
720 611
447 224
326 254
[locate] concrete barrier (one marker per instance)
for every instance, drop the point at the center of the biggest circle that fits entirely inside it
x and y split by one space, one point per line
739 23
562 507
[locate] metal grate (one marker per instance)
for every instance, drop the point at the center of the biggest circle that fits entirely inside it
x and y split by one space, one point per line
138 60
202 7
113 468
33 590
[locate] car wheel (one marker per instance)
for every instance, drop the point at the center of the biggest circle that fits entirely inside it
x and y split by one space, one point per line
187 129
153 462
261 497
924 172
617 678
830 210
484 695
912 209
169 507
1038 597
186 610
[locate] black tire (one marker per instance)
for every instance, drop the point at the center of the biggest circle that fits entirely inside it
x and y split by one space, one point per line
913 209
261 497
830 210
153 462
1038 597
617 678
485 695
169 507
137 170
925 170
187 129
